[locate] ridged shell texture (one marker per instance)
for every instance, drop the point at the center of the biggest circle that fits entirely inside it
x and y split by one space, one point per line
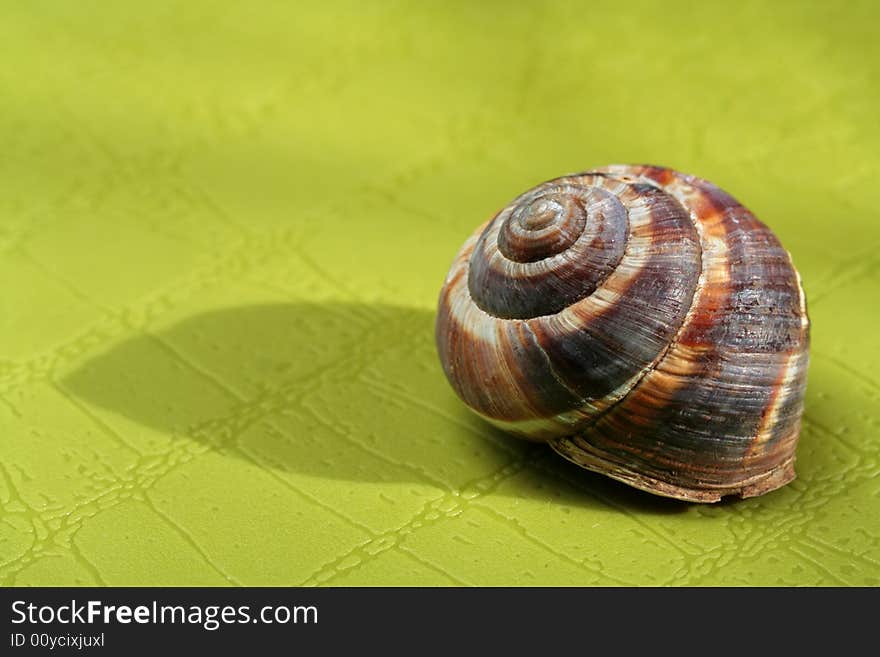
641 321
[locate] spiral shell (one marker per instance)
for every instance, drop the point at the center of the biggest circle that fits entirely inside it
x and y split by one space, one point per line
641 321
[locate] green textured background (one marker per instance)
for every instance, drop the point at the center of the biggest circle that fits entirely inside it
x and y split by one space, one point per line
223 227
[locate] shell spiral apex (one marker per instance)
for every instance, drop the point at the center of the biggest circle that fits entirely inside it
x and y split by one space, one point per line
642 322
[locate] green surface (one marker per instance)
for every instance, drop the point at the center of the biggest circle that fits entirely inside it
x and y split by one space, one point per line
223 228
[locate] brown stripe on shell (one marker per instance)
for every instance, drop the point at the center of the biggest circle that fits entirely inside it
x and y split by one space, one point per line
494 365
598 345
693 421
782 416
781 420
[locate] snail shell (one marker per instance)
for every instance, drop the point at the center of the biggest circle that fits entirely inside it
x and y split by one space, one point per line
641 321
